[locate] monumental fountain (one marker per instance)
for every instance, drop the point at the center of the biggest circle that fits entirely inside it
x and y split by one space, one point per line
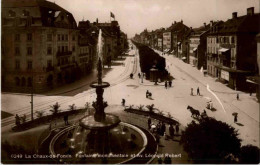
101 137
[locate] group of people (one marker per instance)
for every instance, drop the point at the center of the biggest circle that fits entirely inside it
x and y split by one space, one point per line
160 129
168 84
19 119
198 91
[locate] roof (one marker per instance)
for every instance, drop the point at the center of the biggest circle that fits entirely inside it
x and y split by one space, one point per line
31 3
48 10
246 23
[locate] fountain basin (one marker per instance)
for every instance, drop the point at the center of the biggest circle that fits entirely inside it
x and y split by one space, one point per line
89 122
100 85
126 142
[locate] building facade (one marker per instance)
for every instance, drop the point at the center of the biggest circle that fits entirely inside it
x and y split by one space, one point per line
39 42
232 53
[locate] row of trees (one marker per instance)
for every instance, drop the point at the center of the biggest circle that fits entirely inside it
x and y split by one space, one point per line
149 58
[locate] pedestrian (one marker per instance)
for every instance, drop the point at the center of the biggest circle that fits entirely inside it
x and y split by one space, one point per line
159 160
191 91
170 83
139 75
177 128
237 96
17 120
171 131
235 118
158 128
66 119
163 128
198 91
123 102
149 123
167 160
147 93
24 118
166 84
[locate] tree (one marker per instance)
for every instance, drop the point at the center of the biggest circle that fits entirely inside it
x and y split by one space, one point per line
249 155
72 107
210 141
55 108
151 108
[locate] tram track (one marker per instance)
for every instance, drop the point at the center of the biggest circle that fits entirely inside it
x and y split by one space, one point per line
61 100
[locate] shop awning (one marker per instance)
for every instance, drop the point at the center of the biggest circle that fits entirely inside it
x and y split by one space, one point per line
194 49
184 58
223 50
179 43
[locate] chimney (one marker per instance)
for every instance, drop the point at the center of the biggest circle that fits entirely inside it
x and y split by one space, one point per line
97 21
205 24
234 15
190 28
250 11
181 21
174 22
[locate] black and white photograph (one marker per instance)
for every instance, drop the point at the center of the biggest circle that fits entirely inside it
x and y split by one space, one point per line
130 81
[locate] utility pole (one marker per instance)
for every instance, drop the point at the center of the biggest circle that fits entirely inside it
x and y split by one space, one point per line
32 100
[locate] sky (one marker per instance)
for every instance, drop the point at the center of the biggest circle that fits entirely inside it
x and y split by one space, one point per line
134 16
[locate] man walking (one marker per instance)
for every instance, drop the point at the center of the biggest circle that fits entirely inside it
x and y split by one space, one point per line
149 123
237 96
198 91
191 91
170 83
166 84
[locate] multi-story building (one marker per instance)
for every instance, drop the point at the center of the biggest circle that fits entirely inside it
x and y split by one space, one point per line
183 46
232 52
179 31
39 43
167 37
198 45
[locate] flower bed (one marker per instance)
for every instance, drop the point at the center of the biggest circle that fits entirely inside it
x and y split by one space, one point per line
161 117
44 119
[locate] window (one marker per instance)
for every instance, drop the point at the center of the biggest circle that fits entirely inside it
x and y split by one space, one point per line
73 38
17 81
59 50
17 64
29 80
17 51
217 39
29 65
17 37
62 49
11 13
58 37
29 50
66 37
49 63
62 37
66 48
29 37
49 37
49 50
73 48
232 40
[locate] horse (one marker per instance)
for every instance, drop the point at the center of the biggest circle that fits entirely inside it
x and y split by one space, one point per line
194 112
